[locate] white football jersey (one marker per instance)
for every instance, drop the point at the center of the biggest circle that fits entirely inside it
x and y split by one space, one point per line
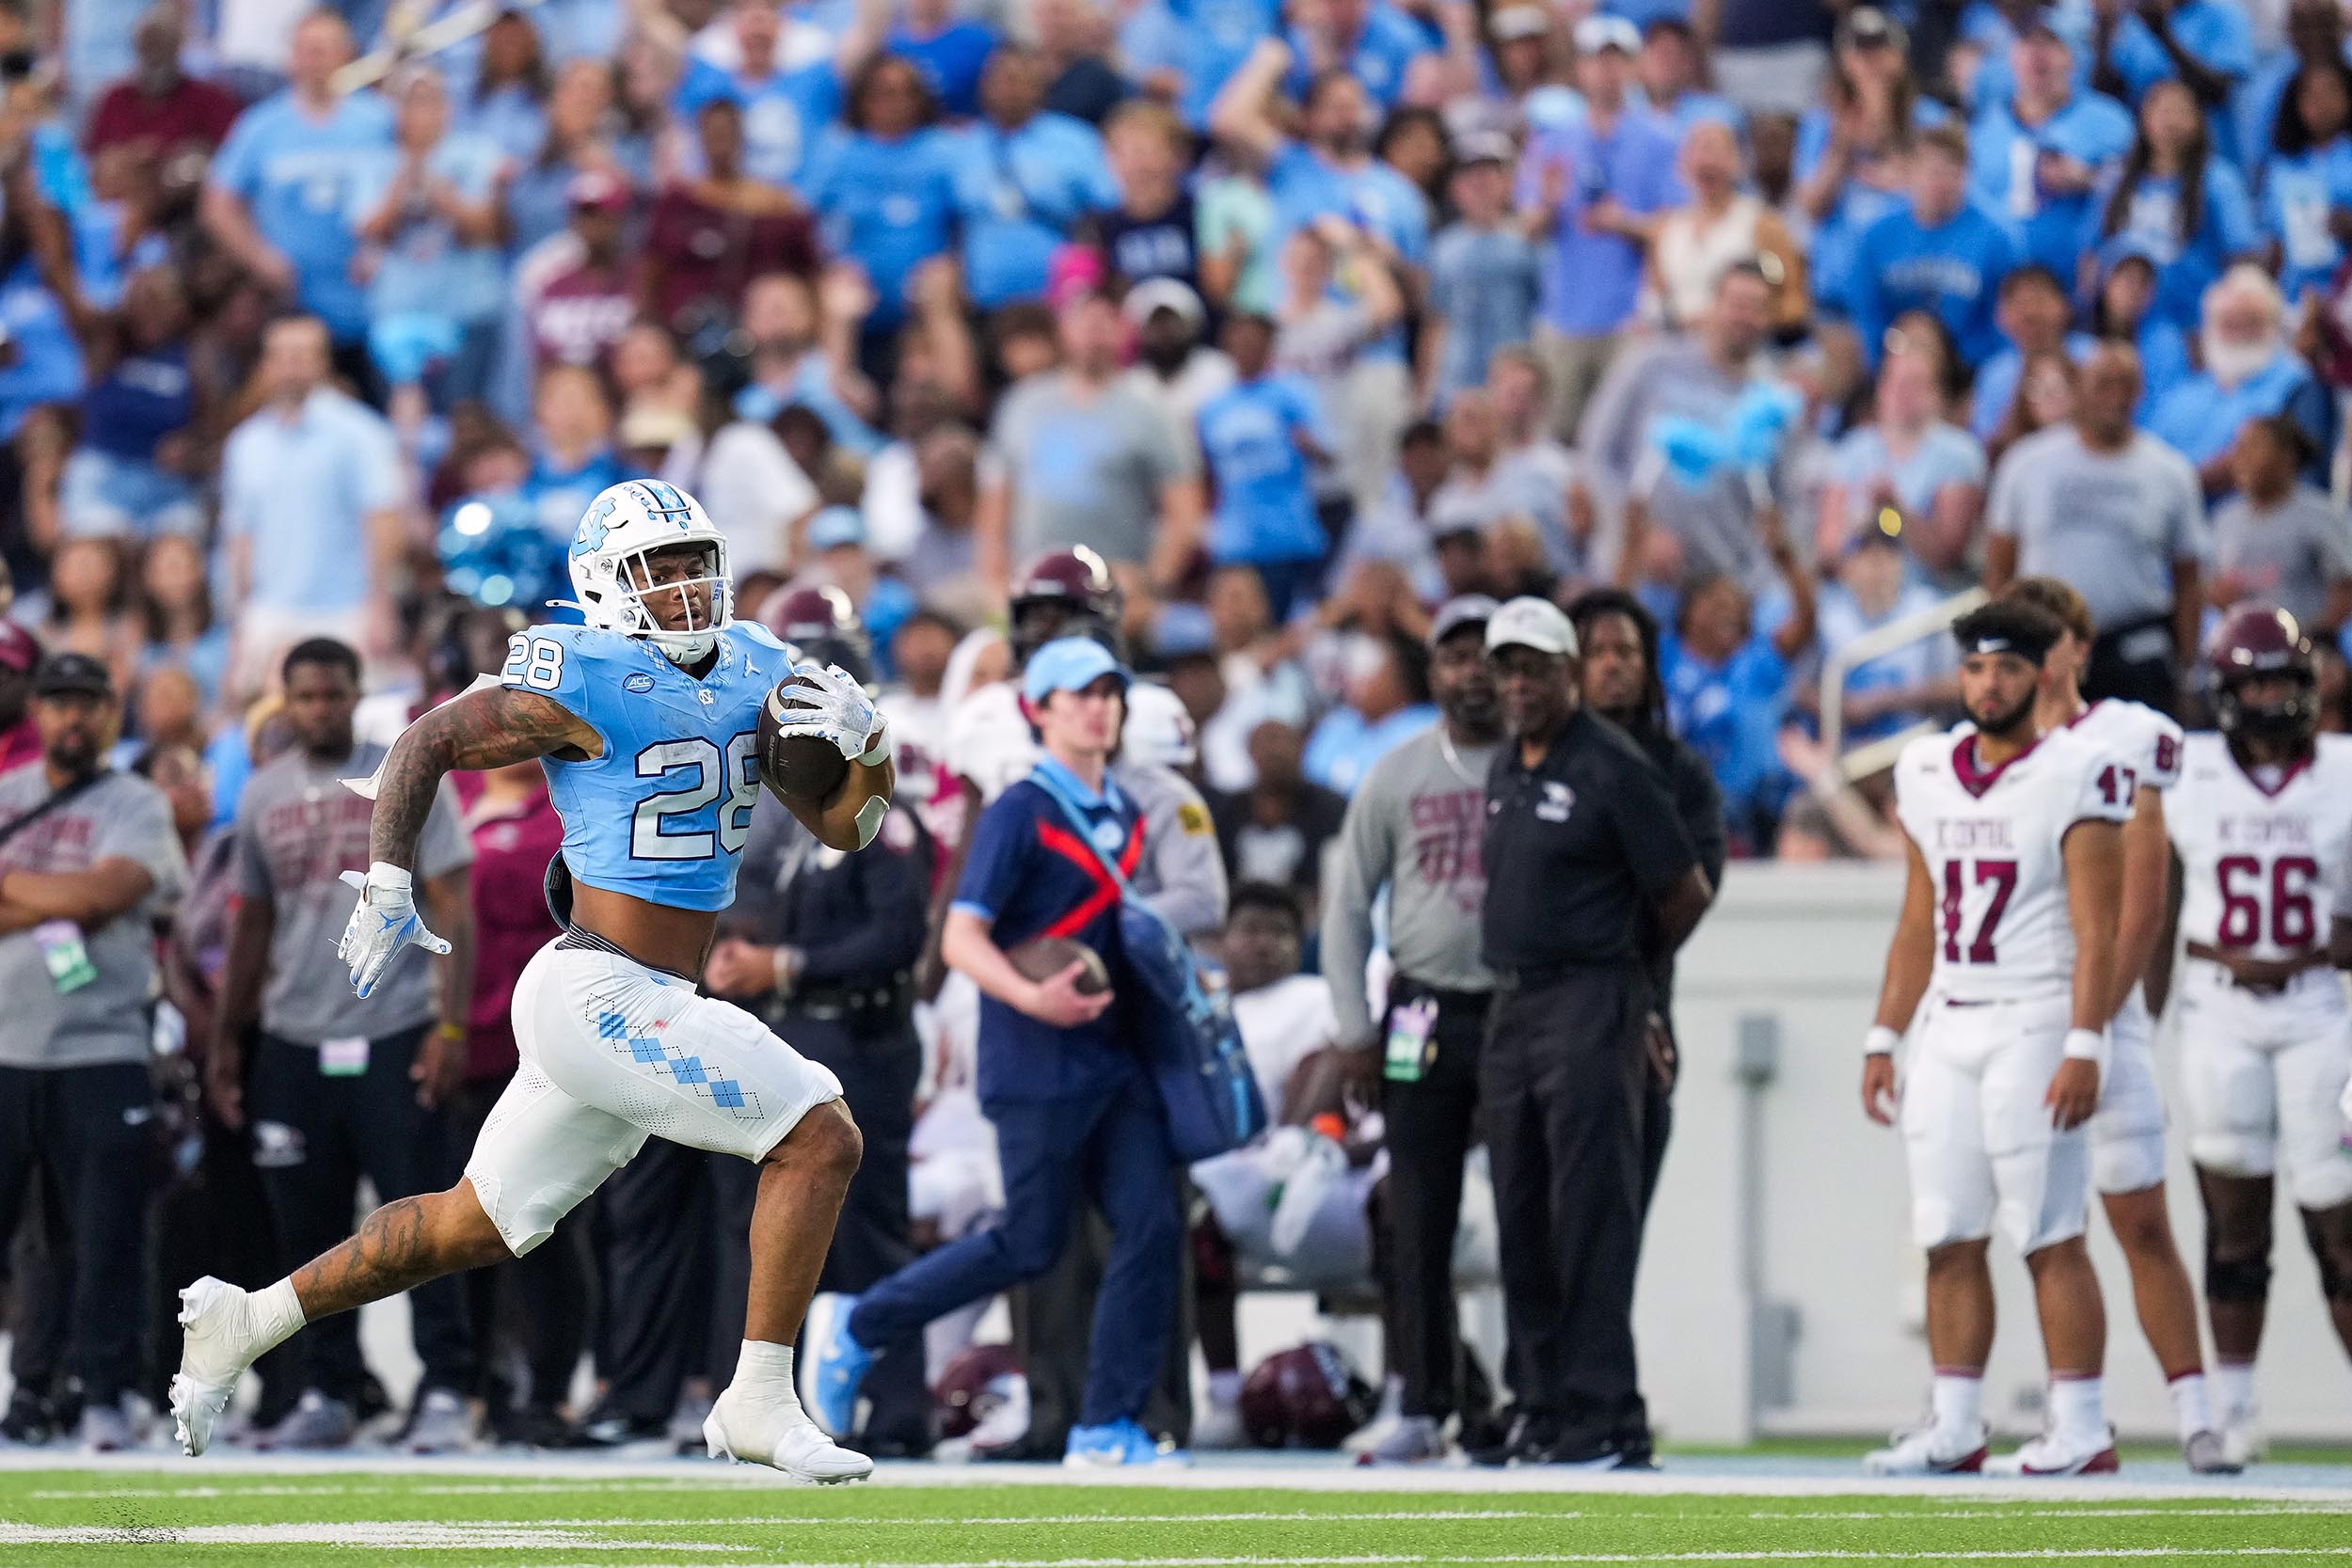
2146 742
2264 862
988 740
1994 842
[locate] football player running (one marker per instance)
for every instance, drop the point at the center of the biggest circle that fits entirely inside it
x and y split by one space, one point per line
2008 935
646 720
2262 826
2127 1133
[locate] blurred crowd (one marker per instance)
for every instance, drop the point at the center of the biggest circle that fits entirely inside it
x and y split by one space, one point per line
1792 319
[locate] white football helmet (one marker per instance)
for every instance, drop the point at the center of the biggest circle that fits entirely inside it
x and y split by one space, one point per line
622 525
1158 732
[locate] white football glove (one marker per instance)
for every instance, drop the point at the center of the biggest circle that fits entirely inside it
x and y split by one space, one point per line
385 922
833 708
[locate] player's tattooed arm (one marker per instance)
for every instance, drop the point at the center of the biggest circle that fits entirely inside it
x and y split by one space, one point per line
490 728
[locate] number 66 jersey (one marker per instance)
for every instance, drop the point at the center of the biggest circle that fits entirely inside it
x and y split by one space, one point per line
2266 861
1993 840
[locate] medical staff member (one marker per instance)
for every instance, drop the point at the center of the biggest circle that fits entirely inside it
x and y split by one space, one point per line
1076 1115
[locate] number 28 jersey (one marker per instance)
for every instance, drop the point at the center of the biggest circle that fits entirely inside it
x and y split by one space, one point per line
2264 860
662 812
1993 840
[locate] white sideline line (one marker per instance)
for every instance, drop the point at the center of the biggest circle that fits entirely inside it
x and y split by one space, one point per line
409 1535
2046 1554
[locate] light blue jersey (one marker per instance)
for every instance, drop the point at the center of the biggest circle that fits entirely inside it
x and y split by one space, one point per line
662 812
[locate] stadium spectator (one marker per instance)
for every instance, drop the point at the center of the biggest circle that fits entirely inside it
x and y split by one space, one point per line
1904 686
1154 231
1487 486
19 730
1174 367
2036 156
160 112
1385 702
1483 276
2124 310
574 292
2117 516
2249 371
310 484
1672 74
2044 397
1850 159
505 102
1721 223
282 195
2205 45
178 625
885 179
2314 35
1275 827
1258 439
709 236
1907 474
1083 461
88 863
541 186
336 1087
1940 254
951 53
2278 538
784 104
2175 200
1084 80
1592 191
2307 184
2035 316
1025 179
134 470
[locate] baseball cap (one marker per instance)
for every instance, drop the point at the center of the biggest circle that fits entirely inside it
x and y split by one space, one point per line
1598 32
72 675
1164 294
1069 664
1514 22
834 526
598 188
1465 609
18 650
1482 146
1528 622
1867 26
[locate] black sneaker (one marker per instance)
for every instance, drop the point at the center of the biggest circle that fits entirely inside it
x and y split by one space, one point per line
1529 1438
611 1430
29 1419
534 1426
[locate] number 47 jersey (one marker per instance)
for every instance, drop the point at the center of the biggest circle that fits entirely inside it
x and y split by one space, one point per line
662 812
1993 840
2263 859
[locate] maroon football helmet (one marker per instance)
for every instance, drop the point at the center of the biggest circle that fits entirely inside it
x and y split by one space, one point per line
976 1384
1310 1397
2255 641
1064 593
824 625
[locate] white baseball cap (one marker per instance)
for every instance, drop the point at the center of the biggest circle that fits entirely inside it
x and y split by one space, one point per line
1602 31
1528 622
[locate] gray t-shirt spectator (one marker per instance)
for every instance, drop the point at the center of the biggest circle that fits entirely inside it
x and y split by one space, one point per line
2107 524
2289 554
298 829
122 816
1714 520
1085 468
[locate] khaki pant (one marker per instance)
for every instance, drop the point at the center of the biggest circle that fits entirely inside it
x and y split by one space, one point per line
1574 366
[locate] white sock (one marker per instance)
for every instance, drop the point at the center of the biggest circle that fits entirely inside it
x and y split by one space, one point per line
1225 1387
2078 1412
2234 1389
764 1368
1957 1402
276 1313
2192 1411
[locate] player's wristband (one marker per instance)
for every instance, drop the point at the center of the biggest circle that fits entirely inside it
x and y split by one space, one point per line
2086 1045
877 746
1881 1041
386 875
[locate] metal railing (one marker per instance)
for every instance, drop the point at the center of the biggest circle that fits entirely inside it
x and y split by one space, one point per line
1873 757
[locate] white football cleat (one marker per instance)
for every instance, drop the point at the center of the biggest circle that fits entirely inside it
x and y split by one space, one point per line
1925 1451
2243 1441
778 1433
2205 1453
2052 1455
220 1344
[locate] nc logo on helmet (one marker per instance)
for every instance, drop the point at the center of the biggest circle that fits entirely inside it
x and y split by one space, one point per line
593 528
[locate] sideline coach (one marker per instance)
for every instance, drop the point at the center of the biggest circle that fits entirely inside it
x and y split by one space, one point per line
1584 852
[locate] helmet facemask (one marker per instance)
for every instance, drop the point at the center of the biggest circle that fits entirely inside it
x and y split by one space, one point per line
2294 717
635 584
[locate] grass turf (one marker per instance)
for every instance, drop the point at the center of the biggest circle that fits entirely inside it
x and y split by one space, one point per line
363 1519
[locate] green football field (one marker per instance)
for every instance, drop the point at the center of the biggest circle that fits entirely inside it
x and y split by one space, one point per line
1220 1517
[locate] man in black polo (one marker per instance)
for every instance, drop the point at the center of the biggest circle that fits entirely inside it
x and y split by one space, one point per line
1589 879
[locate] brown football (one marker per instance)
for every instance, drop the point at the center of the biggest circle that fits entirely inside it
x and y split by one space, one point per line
1042 958
800 768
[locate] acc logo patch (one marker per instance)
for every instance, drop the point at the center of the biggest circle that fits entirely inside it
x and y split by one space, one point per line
1558 800
1192 819
640 683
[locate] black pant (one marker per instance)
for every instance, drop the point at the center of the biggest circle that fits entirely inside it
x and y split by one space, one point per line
539 1303
1561 1080
2132 662
82 1131
314 1137
879 1060
661 1213
1431 1125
